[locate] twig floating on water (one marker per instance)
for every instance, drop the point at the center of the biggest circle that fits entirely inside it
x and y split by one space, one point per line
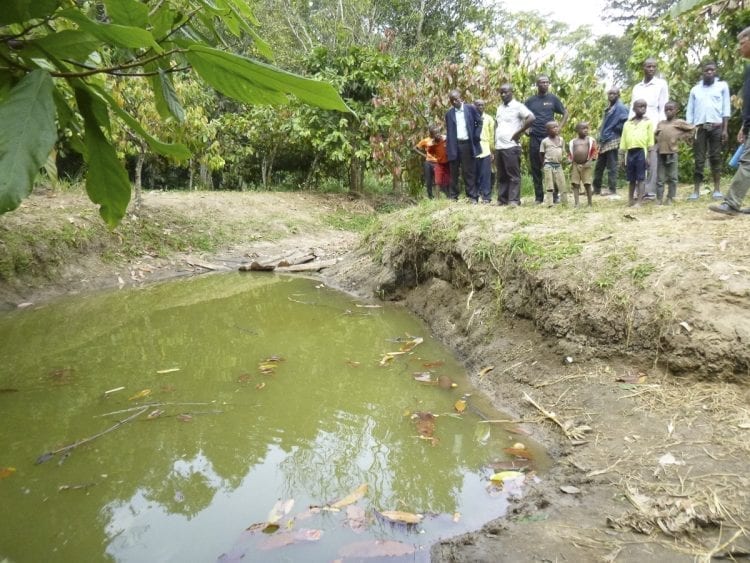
66 449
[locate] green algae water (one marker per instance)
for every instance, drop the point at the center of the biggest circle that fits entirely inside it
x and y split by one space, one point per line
229 414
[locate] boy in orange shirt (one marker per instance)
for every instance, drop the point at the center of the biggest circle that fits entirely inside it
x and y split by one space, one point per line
436 169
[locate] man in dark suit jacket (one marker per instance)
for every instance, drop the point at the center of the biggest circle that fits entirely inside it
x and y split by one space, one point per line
463 127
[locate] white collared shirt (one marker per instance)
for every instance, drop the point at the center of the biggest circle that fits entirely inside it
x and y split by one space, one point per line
656 94
461 133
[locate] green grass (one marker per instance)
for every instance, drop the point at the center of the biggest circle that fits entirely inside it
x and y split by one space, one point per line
347 221
544 250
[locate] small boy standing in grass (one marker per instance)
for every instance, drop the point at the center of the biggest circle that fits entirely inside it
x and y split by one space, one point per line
668 134
583 153
637 137
551 150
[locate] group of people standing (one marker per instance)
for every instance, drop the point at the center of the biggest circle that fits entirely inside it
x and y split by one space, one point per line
644 138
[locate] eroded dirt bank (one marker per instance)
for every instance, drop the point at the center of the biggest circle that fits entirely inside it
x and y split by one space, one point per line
622 340
649 420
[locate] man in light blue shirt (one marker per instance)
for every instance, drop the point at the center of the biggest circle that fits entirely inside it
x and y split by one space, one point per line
708 109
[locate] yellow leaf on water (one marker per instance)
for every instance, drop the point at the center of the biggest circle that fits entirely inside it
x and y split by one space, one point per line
456 516
505 475
405 517
389 357
6 472
351 498
170 370
411 344
268 366
460 406
281 508
140 394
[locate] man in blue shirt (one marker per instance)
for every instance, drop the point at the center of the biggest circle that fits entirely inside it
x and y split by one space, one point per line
614 118
463 127
708 109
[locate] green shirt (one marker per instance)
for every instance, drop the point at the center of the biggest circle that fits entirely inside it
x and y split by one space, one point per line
637 134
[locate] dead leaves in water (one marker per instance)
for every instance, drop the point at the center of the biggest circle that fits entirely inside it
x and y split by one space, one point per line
351 498
400 517
140 395
6 472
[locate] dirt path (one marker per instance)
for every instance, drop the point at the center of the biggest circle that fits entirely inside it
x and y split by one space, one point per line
649 466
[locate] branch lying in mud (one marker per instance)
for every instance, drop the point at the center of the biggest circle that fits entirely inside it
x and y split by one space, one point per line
70 447
574 434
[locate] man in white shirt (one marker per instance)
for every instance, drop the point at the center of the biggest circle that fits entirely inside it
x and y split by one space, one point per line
709 109
511 120
656 93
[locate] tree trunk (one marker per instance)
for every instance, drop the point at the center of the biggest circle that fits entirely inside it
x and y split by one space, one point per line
420 22
137 188
190 175
311 172
356 175
206 178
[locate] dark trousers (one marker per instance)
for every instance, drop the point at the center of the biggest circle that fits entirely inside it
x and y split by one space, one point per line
465 162
535 163
668 173
508 175
429 177
606 160
484 177
707 144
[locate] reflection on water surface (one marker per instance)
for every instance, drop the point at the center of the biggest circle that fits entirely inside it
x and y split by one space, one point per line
251 389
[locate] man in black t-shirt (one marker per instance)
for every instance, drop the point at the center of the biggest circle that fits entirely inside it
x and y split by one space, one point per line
544 106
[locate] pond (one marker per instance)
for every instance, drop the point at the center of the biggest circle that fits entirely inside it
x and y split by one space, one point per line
241 416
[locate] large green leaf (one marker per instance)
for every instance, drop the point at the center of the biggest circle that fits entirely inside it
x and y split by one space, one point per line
127 12
27 136
107 181
120 35
165 97
67 44
17 11
256 83
178 151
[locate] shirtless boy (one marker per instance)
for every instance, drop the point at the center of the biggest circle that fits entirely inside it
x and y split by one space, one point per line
583 151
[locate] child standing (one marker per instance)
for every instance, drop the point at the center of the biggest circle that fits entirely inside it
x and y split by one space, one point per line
551 149
583 152
637 137
668 134
436 170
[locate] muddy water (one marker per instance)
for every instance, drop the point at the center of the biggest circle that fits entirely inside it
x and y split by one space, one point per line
213 442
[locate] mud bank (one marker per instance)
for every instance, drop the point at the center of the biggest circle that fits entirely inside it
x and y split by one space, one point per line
636 341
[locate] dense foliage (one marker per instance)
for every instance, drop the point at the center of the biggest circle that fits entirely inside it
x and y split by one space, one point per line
175 90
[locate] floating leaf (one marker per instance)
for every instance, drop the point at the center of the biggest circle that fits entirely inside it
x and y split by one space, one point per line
267 366
6 472
351 498
288 538
411 344
260 385
402 517
169 370
244 378
279 510
435 364
445 382
352 363
273 360
389 357
156 413
503 476
519 452
376 548
423 376
460 406
356 518
184 417
140 395
425 422
456 516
